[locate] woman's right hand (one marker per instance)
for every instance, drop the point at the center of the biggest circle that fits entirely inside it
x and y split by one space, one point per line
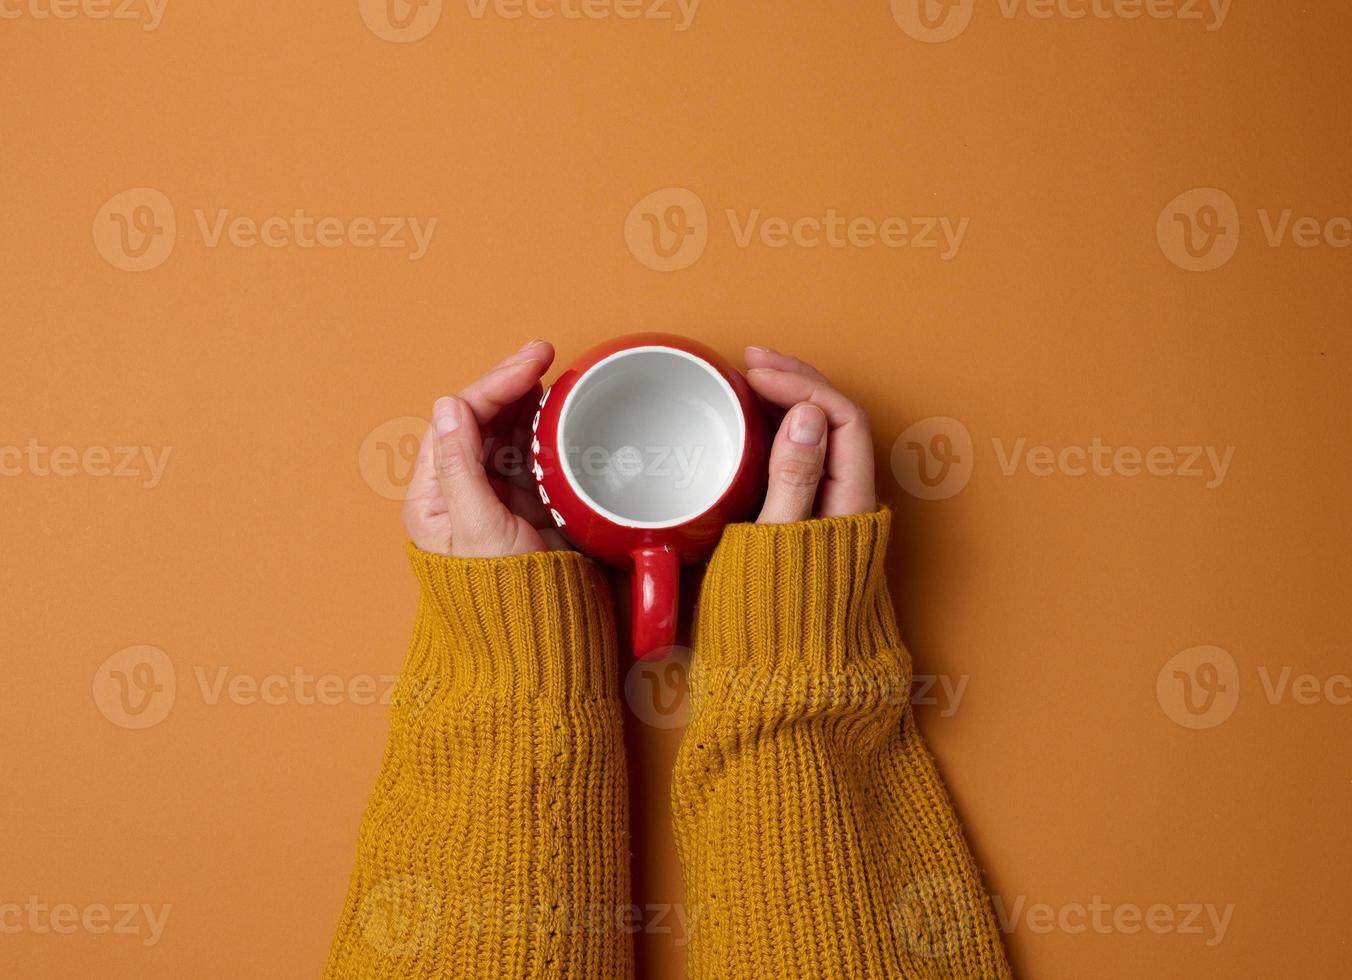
455 505
821 464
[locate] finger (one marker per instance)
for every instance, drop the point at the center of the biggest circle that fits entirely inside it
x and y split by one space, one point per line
508 382
849 457
517 433
424 508
796 466
519 413
768 357
422 497
506 454
478 518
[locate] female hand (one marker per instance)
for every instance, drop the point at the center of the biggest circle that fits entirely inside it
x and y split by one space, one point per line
821 464
456 506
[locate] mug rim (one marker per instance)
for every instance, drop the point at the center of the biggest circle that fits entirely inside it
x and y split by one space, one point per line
723 488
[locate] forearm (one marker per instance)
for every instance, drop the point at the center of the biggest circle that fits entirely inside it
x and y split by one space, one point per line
495 841
816 837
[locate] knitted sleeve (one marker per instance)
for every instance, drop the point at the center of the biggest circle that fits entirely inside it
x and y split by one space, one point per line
495 843
815 836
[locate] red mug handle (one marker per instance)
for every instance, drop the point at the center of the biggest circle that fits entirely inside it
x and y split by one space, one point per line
657 576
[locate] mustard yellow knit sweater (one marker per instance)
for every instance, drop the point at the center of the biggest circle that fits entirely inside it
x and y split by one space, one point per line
816 838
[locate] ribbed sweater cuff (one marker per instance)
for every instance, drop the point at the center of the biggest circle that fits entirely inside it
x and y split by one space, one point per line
521 628
797 600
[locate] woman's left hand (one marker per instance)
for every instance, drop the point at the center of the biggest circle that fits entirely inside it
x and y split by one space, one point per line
456 505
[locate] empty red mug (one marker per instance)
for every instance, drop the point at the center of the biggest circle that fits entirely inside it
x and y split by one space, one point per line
642 451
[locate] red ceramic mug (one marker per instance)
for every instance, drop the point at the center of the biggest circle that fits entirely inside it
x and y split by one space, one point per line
642 451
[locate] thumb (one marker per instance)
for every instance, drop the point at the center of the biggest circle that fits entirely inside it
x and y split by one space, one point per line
796 462
479 521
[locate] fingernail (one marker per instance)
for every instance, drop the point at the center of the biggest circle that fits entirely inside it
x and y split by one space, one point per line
446 416
763 350
531 343
807 425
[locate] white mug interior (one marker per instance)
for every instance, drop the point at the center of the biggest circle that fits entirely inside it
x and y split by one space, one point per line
651 436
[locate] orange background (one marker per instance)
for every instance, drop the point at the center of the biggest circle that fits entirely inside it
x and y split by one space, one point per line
1062 318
